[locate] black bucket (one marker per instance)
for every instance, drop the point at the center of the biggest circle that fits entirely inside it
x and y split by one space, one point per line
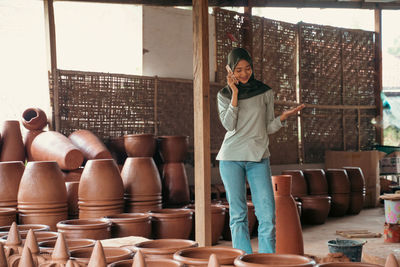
350 248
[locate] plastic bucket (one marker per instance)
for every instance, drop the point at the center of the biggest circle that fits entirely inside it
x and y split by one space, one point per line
392 211
350 248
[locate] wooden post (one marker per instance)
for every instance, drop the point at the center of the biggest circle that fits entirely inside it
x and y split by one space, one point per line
248 29
201 98
50 31
378 70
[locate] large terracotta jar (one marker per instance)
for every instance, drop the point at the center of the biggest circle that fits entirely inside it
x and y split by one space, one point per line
199 256
96 229
279 260
140 145
42 196
101 191
162 248
28 139
10 177
7 216
34 119
315 209
338 182
130 224
90 145
175 185
316 181
12 148
173 148
112 254
171 223
299 185
289 237
54 146
356 177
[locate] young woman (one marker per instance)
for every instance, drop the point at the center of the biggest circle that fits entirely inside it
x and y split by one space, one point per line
246 110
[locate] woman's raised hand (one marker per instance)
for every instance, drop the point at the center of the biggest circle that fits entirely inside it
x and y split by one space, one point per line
291 112
231 80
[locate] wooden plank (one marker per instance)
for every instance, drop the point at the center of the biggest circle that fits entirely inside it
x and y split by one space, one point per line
378 69
201 98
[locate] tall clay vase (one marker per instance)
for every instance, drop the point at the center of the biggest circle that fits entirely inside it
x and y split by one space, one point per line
140 145
42 196
173 148
28 139
175 185
90 145
13 147
54 146
289 237
101 191
10 177
34 119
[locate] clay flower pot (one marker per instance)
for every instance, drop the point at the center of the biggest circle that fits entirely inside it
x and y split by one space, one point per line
90 145
101 191
267 259
356 177
149 263
175 185
54 146
338 182
299 185
162 248
42 196
112 254
140 145
40 236
48 246
316 181
199 256
289 237
315 209
130 224
12 148
28 139
173 148
96 229
10 177
24 228
34 119
7 216
171 223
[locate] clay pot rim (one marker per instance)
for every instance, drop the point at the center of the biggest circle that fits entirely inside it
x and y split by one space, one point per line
91 223
216 250
170 213
48 235
37 110
99 160
138 135
26 227
173 136
347 264
124 217
41 162
7 211
160 250
123 252
12 162
304 261
149 260
50 244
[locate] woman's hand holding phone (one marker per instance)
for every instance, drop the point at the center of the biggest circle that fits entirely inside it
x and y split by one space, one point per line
231 79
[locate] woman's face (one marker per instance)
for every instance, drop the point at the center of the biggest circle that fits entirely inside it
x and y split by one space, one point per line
243 71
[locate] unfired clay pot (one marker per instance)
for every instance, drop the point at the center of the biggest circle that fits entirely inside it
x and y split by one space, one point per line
96 229
34 119
171 223
130 224
112 254
10 177
162 248
54 146
173 148
279 260
28 139
289 237
7 216
199 256
316 181
299 185
175 185
356 177
149 263
90 145
117 149
315 209
140 145
338 182
48 246
12 148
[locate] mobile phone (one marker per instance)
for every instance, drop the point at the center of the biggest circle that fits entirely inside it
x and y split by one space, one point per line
228 68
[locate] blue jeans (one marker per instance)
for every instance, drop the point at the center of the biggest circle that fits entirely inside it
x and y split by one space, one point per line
233 174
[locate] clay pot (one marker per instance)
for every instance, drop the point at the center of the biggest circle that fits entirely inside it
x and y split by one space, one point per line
28 139
162 248
357 200
40 236
289 238
140 145
299 185
117 148
316 181
130 224
267 259
315 209
34 119
24 228
199 256
149 263
12 148
356 177
52 145
175 185
73 175
171 223
96 229
339 205
48 246
173 148
347 264
72 196
90 145
7 216
42 196
10 177
101 191
251 217
338 182
112 254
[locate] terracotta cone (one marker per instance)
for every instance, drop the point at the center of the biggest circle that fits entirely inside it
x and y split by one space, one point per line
60 252
3 259
31 242
32 245
26 259
213 261
14 241
138 260
391 261
97 259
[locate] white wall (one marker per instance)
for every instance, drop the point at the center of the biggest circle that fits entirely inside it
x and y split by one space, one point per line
168 42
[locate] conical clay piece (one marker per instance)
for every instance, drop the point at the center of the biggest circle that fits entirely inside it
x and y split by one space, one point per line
13 242
391 261
97 259
32 245
26 259
213 261
60 252
138 260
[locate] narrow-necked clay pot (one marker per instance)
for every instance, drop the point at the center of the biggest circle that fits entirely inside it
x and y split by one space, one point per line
338 181
10 177
48 246
175 185
299 185
90 145
199 256
130 224
315 209
112 254
28 139
53 145
34 119
140 145
42 196
12 148
24 228
149 263
173 148
7 216
279 260
289 237
356 177
171 223
101 191
316 181
162 248
96 229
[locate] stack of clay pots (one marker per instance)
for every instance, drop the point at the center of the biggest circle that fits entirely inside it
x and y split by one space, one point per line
315 208
339 190
173 151
171 223
357 189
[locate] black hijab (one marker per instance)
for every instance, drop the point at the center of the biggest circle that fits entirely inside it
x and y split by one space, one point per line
253 87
